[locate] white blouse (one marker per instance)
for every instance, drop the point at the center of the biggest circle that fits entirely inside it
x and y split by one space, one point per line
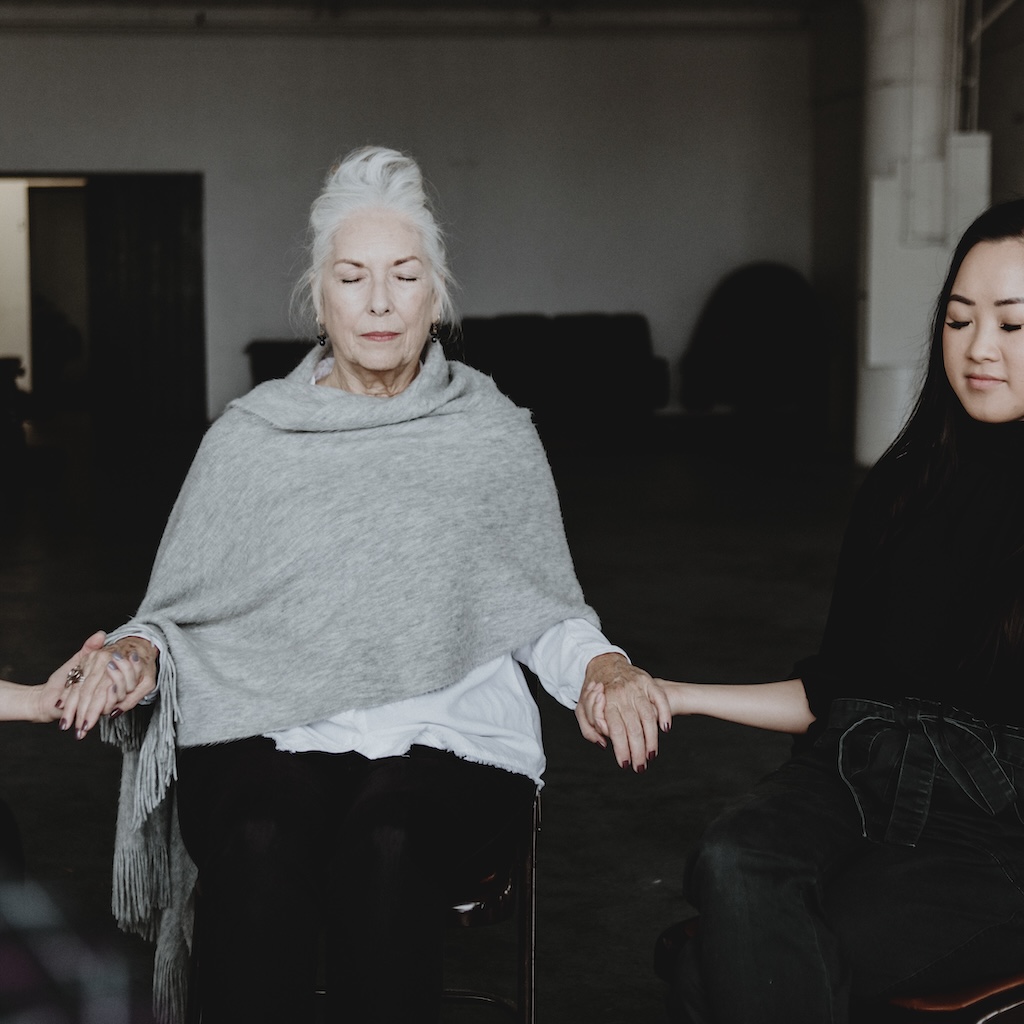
490 716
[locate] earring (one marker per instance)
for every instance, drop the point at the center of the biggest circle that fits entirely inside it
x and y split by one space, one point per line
322 336
435 331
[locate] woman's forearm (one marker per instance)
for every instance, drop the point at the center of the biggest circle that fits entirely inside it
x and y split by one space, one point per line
781 707
21 703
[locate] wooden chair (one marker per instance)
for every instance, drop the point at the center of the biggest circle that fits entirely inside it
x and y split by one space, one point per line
998 1000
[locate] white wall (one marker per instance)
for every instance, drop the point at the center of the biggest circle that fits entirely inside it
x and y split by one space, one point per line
593 172
15 336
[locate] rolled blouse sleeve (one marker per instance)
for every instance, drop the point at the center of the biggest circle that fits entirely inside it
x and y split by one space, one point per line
560 656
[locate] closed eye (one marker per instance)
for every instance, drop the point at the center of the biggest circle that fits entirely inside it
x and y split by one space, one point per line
957 325
1010 327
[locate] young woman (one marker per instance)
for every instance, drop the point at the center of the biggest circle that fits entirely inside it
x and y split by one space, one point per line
887 855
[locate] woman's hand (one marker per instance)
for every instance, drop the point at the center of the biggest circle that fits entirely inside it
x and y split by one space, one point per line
23 703
624 704
110 681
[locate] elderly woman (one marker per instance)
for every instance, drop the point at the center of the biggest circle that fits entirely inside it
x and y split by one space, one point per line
361 555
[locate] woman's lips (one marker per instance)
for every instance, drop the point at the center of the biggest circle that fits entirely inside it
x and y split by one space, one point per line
982 383
380 335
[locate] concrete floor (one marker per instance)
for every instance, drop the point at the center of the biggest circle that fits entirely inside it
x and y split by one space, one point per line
703 565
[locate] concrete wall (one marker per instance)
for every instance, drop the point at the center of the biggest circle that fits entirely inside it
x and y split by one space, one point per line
577 172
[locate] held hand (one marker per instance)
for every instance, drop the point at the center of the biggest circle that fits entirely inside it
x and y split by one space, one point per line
41 703
623 703
48 699
108 681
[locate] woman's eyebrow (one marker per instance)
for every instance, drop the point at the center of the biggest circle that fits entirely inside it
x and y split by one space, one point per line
356 263
998 302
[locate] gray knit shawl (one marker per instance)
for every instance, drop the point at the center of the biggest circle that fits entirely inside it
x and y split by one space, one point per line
329 551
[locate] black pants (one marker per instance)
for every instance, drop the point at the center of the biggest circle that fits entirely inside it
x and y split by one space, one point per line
888 860
294 846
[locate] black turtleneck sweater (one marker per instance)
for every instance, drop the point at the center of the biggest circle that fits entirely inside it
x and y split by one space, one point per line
919 613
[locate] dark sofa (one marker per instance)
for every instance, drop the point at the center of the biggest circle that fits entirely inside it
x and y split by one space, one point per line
589 378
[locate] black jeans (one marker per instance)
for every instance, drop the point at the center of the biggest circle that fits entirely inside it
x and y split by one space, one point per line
294 846
888 859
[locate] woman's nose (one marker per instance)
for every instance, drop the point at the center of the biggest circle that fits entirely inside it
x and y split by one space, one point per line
380 299
984 346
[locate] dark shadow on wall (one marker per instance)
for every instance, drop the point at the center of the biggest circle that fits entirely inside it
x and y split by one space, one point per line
759 357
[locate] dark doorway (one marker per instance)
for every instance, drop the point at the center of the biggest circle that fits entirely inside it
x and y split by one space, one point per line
144 237
118 344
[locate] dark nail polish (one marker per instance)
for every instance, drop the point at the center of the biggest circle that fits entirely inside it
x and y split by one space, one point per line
626 764
641 768
117 656
116 713
80 735
64 725
59 705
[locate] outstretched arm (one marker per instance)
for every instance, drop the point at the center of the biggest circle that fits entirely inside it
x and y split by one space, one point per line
779 707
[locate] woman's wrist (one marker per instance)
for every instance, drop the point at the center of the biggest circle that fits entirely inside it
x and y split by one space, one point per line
682 697
22 703
138 645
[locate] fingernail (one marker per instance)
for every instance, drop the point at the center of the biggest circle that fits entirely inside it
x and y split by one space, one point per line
80 735
134 655
115 713
113 665
602 744
641 768
64 725
117 656
665 726
59 705
626 764
652 755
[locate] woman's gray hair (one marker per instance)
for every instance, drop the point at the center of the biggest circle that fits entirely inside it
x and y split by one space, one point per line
373 178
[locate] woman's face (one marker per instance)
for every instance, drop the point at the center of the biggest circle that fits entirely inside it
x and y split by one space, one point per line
983 337
377 303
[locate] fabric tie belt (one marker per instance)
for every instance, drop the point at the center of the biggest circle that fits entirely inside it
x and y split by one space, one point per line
889 755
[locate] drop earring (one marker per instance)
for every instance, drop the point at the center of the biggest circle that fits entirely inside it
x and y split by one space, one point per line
435 331
322 336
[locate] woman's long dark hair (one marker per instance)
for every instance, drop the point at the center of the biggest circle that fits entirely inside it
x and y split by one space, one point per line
929 444
930 439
